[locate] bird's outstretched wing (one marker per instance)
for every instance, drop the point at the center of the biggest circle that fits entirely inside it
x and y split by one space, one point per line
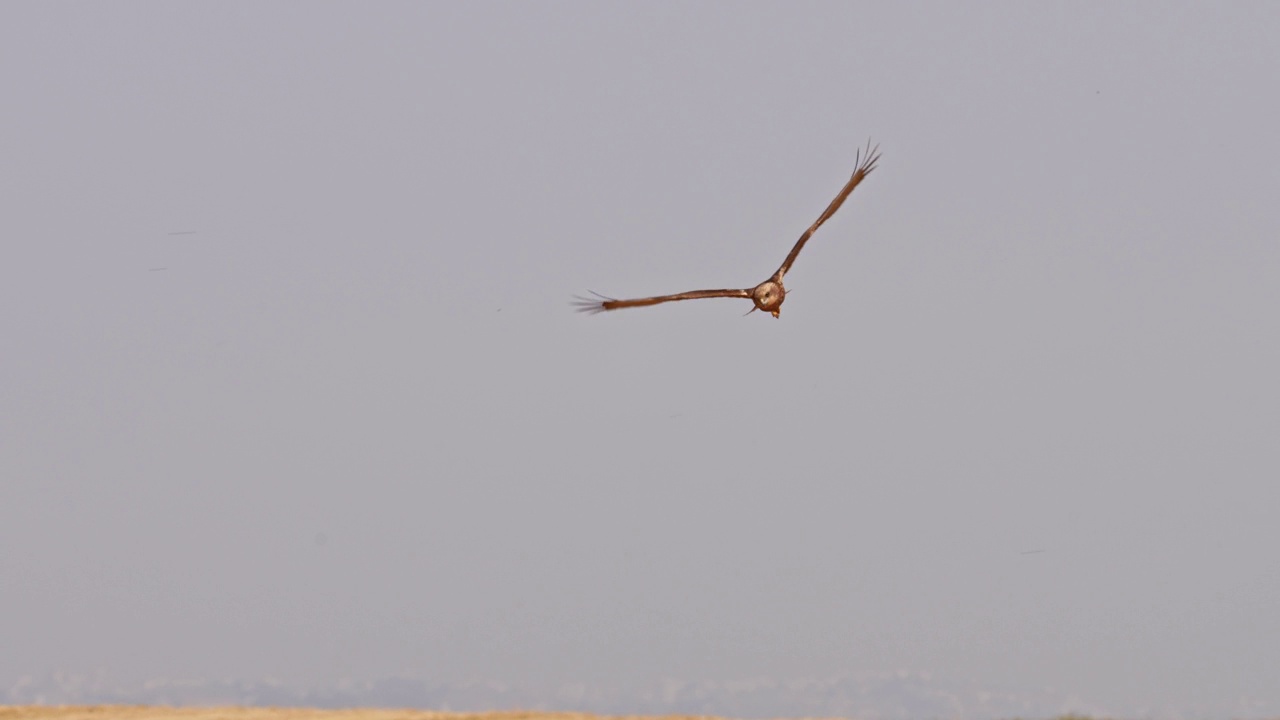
865 165
602 303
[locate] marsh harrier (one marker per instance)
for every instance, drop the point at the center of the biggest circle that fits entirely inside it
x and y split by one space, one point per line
768 295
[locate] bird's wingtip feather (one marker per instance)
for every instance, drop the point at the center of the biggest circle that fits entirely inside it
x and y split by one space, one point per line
590 305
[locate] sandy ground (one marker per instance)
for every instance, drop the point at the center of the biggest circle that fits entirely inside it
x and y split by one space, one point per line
147 712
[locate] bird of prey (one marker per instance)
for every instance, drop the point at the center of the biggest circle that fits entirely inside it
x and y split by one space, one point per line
768 295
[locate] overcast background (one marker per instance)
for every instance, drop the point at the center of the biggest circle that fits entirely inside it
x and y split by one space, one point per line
290 384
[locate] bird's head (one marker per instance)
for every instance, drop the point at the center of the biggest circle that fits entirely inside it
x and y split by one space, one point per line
768 296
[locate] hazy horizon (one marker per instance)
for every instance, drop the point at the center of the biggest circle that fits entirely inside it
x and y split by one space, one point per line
291 385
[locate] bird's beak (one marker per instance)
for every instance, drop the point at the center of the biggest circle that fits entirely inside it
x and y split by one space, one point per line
776 313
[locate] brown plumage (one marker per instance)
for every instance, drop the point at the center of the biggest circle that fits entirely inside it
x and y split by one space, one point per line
768 295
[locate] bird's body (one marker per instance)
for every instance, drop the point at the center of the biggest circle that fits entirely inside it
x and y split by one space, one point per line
768 295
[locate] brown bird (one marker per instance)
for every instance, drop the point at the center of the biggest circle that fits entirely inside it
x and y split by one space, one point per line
768 295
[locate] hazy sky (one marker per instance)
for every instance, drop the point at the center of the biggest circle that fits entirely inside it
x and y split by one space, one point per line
290 384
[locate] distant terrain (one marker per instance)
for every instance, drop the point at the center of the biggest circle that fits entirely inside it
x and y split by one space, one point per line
151 712
886 696
157 712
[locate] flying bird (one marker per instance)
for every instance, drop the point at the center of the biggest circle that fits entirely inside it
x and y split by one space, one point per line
768 295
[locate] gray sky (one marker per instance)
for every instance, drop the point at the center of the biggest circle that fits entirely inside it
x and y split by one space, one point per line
353 426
